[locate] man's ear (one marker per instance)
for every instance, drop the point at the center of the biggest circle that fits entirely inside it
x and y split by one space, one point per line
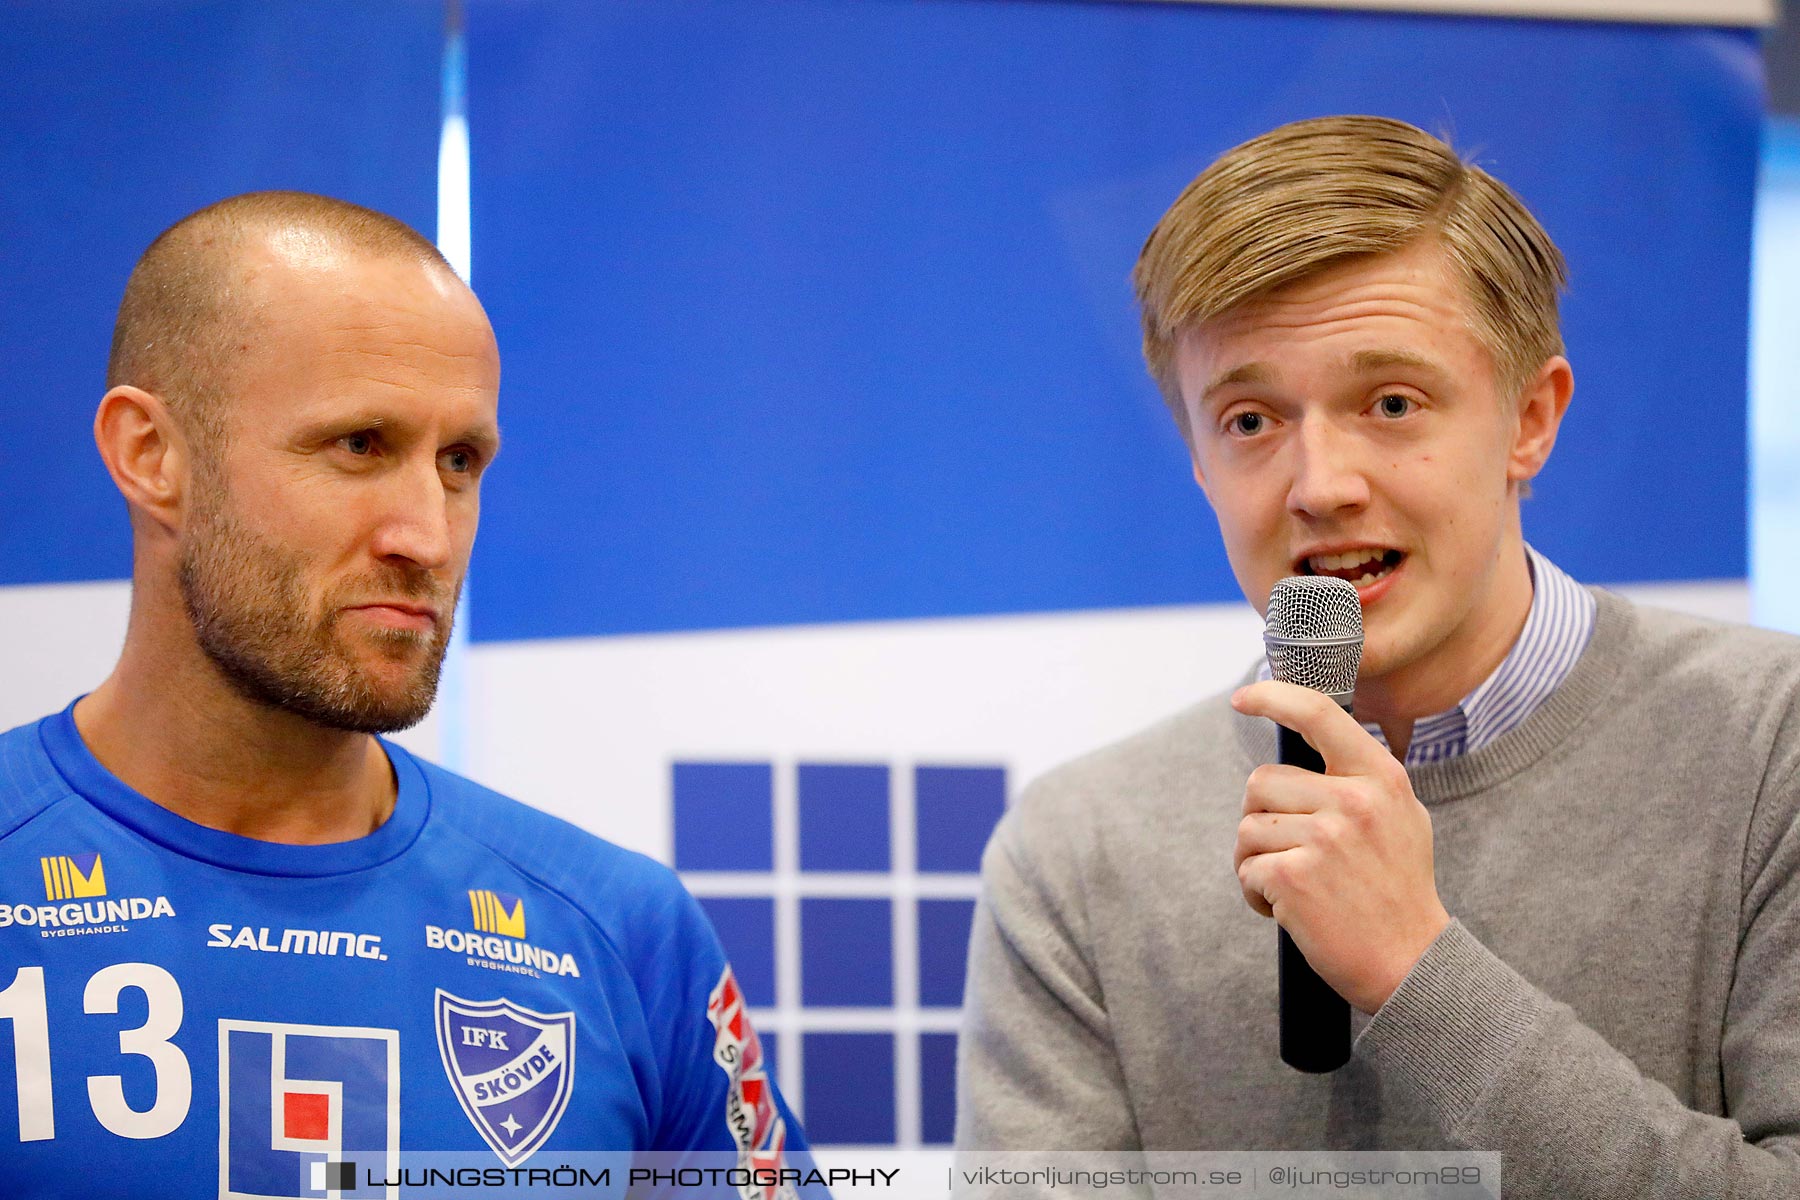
1539 415
144 452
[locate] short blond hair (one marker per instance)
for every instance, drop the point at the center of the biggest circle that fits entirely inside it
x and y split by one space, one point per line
1312 194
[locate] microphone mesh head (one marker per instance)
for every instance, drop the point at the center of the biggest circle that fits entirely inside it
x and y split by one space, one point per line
1314 633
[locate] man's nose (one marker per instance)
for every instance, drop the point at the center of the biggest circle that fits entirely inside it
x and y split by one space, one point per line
415 521
1330 474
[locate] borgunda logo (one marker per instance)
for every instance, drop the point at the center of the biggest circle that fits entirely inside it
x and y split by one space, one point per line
498 940
77 882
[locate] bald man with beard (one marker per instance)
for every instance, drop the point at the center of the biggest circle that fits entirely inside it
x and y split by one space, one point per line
252 948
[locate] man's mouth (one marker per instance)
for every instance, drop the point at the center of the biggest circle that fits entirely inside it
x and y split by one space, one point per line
398 614
1361 567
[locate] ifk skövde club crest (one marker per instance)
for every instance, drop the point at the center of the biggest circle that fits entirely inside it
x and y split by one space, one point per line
512 1069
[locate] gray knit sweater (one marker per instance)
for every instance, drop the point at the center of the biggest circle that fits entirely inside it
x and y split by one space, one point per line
1615 1008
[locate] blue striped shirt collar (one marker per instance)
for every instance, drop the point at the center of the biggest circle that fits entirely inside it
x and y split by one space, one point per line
1556 631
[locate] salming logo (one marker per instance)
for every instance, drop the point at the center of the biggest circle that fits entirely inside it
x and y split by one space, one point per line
296 941
498 912
73 876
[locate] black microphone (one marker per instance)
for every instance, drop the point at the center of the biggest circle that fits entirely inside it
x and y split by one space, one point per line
1314 638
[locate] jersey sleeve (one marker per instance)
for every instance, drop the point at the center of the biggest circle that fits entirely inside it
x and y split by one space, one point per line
721 1108
719 1094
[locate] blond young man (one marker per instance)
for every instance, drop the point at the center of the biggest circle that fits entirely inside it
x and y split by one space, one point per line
1557 869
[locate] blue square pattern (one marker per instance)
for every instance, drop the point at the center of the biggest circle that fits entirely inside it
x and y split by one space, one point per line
844 817
937 1088
846 953
849 1088
957 808
724 816
943 950
746 928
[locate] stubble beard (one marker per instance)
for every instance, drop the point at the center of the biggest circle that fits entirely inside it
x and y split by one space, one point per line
246 599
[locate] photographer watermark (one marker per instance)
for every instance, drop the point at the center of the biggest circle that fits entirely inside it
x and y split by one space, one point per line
879 1174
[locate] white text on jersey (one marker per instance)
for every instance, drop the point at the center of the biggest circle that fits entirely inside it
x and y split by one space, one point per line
297 941
89 916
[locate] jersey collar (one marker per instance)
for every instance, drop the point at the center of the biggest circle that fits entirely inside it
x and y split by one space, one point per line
106 792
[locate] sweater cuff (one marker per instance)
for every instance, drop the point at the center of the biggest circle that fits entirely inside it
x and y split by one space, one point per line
1450 1027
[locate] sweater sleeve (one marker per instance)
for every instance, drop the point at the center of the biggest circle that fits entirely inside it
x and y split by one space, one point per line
1036 1065
1504 1067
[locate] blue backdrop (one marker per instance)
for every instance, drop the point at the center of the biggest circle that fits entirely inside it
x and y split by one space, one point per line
119 117
818 311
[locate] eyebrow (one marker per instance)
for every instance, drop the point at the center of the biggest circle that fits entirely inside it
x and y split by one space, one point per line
1378 360
1248 373
486 440
1362 363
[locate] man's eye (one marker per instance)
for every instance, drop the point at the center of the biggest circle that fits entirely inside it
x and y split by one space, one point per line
1246 424
460 462
1395 405
359 444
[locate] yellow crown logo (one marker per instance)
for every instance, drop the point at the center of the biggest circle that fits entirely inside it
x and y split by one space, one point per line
73 876
498 912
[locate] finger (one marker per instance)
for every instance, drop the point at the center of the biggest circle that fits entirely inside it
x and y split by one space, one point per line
1259 835
1347 747
1266 833
1264 879
1252 893
1277 787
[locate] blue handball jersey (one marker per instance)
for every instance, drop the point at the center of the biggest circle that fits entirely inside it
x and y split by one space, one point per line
185 1012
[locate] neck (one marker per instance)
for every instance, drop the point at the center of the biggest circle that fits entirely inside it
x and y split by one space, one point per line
1397 699
169 726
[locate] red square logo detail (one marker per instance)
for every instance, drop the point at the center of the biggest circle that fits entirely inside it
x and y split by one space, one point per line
306 1115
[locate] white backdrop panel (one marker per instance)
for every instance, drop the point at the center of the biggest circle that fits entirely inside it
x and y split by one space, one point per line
587 728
